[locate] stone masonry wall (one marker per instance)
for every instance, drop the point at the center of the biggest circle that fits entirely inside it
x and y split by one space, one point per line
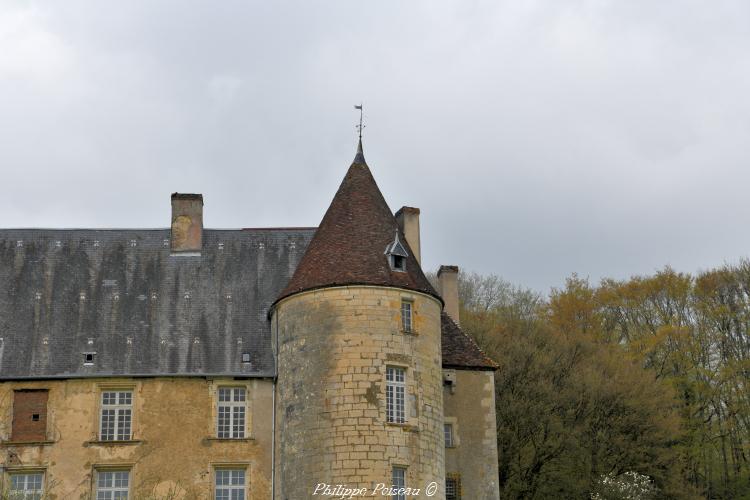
471 410
334 345
174 451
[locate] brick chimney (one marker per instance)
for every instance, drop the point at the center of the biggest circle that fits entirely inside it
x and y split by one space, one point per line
448 282
408 221
187 223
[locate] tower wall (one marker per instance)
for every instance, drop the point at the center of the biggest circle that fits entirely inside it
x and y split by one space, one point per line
334 345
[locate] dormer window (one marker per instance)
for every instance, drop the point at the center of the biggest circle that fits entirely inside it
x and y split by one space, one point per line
397 255
398 263
88 358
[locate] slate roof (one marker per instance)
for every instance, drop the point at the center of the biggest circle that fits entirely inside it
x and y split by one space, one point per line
460 350
349 245
120 294
142 311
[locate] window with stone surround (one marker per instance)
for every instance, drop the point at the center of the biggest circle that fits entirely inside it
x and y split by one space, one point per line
395 394
112 484
406 315
398 480
229 484
453 487
26 486
116 416
231 411
448 435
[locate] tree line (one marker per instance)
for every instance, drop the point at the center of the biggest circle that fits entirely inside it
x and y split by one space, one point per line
632 388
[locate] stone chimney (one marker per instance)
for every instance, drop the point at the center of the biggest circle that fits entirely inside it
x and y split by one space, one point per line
448 282
408 221
187 223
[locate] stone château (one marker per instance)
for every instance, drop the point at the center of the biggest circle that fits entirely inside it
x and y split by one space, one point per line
229 364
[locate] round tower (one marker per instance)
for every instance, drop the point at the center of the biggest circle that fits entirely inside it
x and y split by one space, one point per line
359 399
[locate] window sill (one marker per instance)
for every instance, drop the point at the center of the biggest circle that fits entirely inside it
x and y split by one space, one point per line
410 332
230 440
121 442
404 427
27 443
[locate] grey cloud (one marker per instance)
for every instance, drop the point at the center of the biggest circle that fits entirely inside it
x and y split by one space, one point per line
539 138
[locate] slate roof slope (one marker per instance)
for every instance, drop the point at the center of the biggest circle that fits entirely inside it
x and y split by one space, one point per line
120 294
460 350
348 247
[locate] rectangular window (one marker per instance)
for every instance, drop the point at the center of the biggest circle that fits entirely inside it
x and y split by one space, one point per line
116 416
231 413
112 484
395 389
29 415
448 433
452 488
398 480
26 486
406 315
398 263
230 484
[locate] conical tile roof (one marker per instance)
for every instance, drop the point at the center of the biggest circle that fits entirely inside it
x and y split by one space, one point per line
349 246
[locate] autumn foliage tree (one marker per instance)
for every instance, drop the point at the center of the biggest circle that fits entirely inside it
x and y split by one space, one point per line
575 404
694 333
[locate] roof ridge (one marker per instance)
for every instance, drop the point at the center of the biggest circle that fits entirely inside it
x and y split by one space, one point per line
270 228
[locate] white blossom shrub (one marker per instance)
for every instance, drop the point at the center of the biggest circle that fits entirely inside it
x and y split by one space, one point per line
626 486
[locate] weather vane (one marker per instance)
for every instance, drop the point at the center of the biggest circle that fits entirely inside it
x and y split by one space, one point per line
360 126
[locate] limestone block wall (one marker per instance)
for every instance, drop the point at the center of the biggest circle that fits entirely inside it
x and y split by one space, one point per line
471 410
334 345
173 453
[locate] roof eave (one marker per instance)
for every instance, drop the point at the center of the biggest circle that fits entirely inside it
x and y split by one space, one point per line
352 283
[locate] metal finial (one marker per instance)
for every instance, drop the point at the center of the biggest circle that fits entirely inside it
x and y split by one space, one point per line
361 115
360 157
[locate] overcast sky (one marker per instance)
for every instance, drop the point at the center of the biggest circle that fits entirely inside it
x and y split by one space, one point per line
539 138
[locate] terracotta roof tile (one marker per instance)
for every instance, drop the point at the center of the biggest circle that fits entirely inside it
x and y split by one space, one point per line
460 350
348 247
